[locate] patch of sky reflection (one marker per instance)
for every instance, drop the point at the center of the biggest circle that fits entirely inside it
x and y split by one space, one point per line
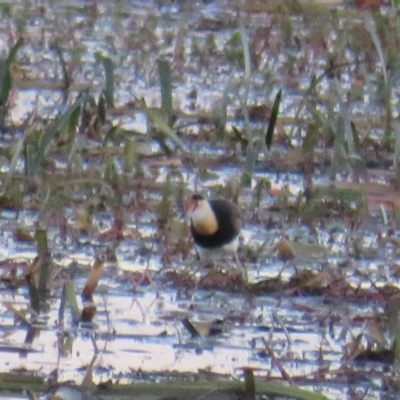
83 256
28 100
9 247
129 259
141 340
377 271
137 122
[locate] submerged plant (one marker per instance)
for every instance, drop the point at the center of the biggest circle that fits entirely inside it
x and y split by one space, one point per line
210 45
233 48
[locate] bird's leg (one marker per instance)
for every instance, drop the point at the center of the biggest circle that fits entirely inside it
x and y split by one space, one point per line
144 277
205 261
242 267
198 257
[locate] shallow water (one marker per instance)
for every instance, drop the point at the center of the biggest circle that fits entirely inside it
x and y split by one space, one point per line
139 334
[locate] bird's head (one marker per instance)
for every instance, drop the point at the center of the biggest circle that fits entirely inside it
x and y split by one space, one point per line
194 202
202 217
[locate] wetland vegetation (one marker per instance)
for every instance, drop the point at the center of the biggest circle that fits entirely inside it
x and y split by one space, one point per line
113 113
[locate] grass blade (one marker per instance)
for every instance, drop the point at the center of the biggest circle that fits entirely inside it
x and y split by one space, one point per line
101 109
252 151
339 147
370 26
246 50
71 301
65 122
109 72
65 74
13 51
246 83
73 121
44 262
5 74
6 79
33 293
279 389
249 383
162 126
310 139
129 160
19 147
272 120
190 327
164 72
5 82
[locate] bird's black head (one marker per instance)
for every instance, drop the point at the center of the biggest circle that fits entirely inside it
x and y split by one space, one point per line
197 197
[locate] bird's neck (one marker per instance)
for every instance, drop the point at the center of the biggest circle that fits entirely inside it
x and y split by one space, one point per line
204 220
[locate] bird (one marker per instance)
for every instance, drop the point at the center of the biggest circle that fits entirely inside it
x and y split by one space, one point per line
215 226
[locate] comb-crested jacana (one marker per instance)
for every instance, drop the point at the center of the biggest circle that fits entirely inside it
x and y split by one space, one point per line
215 225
